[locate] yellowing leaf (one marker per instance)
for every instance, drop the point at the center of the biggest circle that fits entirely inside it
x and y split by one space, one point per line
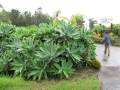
73 20
55 21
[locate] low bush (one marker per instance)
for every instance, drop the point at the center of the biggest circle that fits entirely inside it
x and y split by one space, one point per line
96 64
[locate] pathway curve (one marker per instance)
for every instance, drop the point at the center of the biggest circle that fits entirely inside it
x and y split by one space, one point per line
109 73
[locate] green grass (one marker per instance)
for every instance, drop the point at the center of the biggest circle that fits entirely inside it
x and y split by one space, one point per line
83 79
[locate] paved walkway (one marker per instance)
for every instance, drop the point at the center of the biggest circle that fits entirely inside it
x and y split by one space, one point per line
109 73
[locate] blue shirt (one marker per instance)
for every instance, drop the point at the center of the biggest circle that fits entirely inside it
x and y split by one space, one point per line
107 39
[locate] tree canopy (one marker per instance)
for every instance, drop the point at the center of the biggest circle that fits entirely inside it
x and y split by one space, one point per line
15 17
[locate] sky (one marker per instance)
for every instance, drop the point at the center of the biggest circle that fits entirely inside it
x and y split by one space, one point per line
89 8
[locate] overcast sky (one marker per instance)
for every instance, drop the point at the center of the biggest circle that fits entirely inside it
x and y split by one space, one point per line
90 8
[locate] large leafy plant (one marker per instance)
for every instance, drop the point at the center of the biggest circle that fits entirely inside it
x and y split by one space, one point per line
20 66
6 30
38 70
49 52
45 58
46 51
74 52
64 69
5 62
67 33
86 37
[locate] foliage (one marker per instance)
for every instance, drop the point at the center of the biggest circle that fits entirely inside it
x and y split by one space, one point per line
99 28
56 15
23 32
15 17
96 64
5 30
19 67
99 34
4 17
59 19
113 38
38 70
116 28
5 65
1 6
65 69
92 23
77 18
46 51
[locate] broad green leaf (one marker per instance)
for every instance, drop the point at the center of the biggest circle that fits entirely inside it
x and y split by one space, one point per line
32 73
66 75
57 66
78 57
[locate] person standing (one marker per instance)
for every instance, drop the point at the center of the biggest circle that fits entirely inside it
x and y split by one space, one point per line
107 43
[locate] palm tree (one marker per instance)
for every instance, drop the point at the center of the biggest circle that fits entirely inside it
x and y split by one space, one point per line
56 15
63 18
78 18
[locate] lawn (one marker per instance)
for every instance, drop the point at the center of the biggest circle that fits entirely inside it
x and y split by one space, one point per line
84 79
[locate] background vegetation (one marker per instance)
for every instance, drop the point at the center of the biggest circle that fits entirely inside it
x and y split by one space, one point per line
114 34
15 17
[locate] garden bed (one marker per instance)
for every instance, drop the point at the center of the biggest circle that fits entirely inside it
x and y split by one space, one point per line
85 78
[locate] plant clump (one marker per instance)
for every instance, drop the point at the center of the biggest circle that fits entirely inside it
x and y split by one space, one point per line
96 64
50 50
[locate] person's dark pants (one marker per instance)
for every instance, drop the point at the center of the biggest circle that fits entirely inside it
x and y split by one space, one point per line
107 46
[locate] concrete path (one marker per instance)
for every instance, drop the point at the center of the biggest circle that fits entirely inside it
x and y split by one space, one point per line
109 73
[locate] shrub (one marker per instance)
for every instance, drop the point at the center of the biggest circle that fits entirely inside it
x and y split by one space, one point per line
46 51
96 64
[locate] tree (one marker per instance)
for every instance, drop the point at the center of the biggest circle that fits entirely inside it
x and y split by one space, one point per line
1 8
56 15
78 18
40 17
17 18
4 15
92 23
14 16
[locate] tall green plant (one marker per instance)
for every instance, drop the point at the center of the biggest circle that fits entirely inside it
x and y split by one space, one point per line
6 30
5 62
38 70
49 52
73 52
19 66
64 69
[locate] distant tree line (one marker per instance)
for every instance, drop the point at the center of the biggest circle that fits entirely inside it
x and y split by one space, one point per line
15 17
